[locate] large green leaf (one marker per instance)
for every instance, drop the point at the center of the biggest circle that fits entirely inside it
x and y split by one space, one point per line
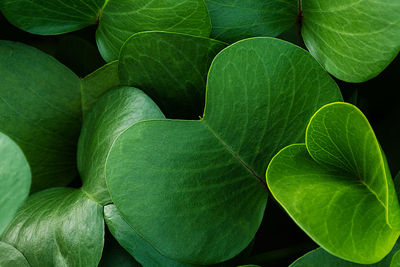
11 257
111 115
171 68
40 109
337 186
353 39
193 189
319 257
15 180
97 83
233 20
117 19
58 227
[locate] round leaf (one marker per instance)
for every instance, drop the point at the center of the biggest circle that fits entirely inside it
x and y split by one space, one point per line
337 187
193 189
58 227
111 115
354 40
172 68
40 109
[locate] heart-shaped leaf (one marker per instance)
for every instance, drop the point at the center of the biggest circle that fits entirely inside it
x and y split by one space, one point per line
354 40
337 186
112 114
319 257
117 19
193 189
58 227
171 68
15 180
40 109
11 257
97 83
235 20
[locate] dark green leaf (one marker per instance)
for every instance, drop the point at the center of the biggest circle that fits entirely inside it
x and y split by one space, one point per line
337 187
171 68
40 109
97 83
111 115
354 40
11 257
233 20
193 189
58 227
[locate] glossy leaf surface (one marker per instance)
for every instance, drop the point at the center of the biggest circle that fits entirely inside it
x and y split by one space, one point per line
111 115
319 257
233 20
354 40
15 180
11 257
171 68
58 227
337 186
40 109
193 189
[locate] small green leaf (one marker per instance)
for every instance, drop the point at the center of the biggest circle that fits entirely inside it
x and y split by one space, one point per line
355 40
136 245
395 260
15 180
58 227
319 257
40 109
11 257
97 83
171 68
193 189
235 20
111 115
337 187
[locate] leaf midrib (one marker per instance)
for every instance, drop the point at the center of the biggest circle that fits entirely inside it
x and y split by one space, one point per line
235 154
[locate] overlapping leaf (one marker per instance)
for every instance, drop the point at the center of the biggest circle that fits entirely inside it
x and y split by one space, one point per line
58 227
117 19
171 68
11 257
193 189
337 186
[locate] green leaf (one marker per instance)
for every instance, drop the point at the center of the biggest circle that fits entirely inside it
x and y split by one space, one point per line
136 245
319 257
58 227
117 19
40 109
193 189
354 40
51 17
120 19
111 115
15 180
395 260
337 187
171 68
11 257
235 20
97 83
